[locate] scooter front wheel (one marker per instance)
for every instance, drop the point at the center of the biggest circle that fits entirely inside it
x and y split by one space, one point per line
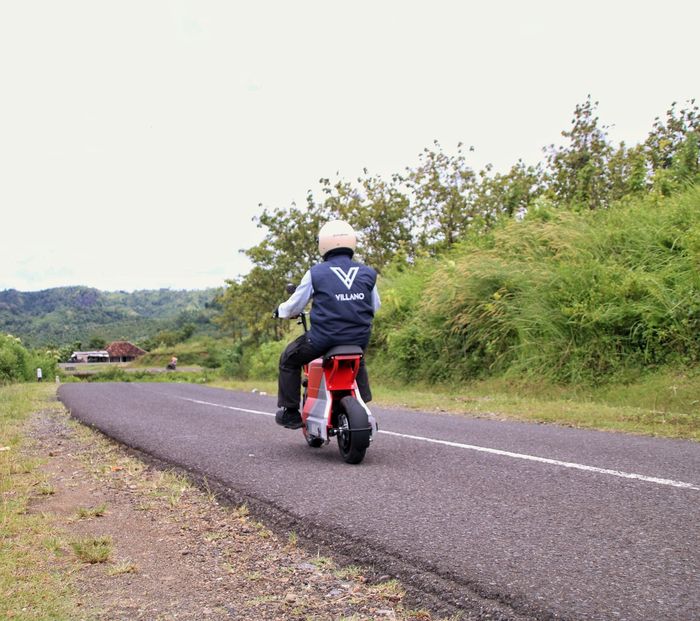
353 430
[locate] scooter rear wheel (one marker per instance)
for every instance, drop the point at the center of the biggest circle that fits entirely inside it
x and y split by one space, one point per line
353 431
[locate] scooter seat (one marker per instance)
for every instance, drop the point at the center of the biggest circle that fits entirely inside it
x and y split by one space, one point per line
343 350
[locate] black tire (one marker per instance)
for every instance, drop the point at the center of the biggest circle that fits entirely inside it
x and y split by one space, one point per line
354 431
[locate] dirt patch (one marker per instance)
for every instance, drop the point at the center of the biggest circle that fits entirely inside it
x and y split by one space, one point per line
175 553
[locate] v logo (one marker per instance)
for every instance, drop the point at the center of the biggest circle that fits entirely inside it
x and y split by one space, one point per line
346 279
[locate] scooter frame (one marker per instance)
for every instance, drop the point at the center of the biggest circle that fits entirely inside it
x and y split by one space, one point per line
327 380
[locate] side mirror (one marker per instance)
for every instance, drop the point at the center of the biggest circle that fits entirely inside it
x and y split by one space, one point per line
290 288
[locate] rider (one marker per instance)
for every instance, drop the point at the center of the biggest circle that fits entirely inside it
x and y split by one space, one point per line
345 299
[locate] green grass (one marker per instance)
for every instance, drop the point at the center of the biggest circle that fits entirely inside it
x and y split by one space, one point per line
30 585
195 351
665 403
93 549
662 404
92 512
576 298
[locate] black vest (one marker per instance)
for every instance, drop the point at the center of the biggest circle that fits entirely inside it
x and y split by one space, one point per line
342 310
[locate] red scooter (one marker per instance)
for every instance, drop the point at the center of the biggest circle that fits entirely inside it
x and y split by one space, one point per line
332 405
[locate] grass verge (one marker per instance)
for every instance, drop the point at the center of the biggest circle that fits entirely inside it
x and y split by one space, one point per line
30 585
665 403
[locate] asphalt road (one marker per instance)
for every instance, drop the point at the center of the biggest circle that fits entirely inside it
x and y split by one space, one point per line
512 520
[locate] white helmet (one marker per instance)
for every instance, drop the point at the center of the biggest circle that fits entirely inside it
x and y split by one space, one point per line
336 234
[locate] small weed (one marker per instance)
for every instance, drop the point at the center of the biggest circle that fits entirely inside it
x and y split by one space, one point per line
211 537
211 495
293 540
54 545
263 599
262 530
46 489
390 590
124 567
323 562
91 512
93 549
171 486
242 511
351 572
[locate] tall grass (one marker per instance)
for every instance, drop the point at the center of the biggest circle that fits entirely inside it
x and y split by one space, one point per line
561 296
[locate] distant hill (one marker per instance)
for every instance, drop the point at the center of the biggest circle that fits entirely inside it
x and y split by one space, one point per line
65 315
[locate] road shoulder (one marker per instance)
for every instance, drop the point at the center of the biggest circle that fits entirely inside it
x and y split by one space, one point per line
175 553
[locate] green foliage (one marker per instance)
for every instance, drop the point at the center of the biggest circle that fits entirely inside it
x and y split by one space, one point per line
97 343
18 364
169 338
442 186
561 296
264 361
579 173
205 351
380 211
443 201
14 360
74 315
112 374
232 361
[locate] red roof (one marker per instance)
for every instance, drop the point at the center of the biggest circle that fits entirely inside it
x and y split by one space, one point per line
123 349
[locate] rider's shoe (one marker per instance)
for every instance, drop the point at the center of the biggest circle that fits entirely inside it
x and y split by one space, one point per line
289 418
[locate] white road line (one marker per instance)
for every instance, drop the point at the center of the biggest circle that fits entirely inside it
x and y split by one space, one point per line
226 407
484 449
545 460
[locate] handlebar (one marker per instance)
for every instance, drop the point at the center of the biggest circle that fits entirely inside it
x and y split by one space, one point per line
291 288
302 321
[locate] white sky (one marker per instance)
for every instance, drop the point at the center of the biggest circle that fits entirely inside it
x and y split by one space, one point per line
137 138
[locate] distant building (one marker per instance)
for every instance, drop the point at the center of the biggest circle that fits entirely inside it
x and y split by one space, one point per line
123 351
89 356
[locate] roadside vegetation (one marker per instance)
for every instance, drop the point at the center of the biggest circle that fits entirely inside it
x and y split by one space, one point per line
559 297
19 364
66 493
567 291
31 587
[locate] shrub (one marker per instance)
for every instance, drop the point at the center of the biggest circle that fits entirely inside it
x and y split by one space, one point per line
564 296
17 364
13 360
264 361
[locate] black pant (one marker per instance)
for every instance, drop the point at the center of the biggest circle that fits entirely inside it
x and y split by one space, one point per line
298 353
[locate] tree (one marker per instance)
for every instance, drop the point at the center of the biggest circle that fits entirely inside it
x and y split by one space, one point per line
442 189
628 172
97 342
672 148
578 173
509 194
667 135
379 212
